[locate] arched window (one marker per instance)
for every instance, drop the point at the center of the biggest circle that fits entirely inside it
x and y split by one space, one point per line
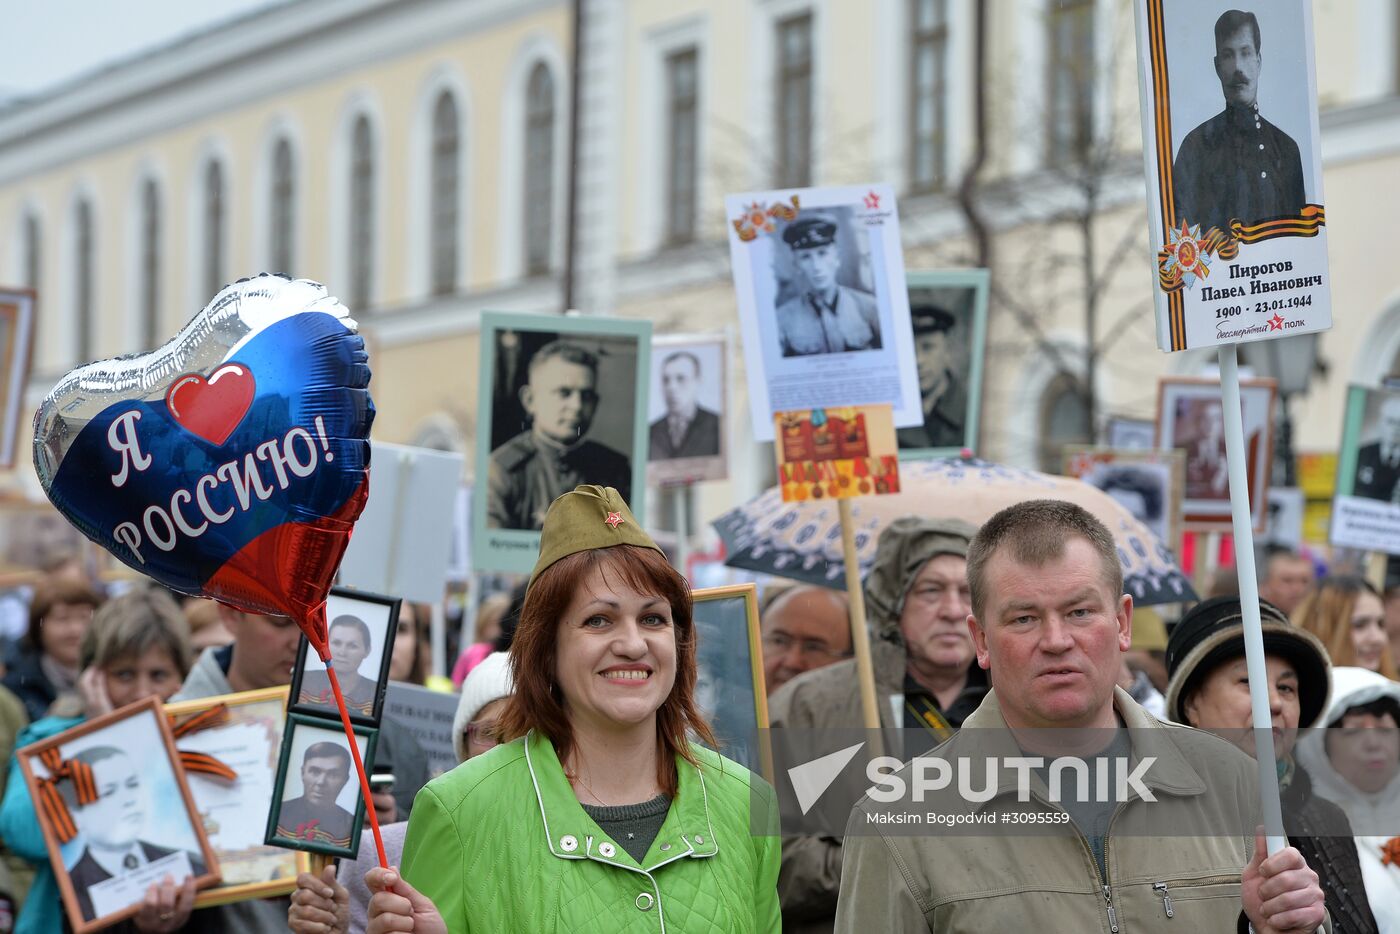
539 170
83 274
443 207
283 212
149 272
361 214
33 257
928 93
213 228
1064 419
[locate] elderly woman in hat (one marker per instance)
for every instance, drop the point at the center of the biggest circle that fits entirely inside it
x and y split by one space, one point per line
596 812
1209 690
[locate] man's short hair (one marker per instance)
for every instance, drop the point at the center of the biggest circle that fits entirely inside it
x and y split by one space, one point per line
1036 532
682 355
563 350
345 619
90 756
326 751
1230 23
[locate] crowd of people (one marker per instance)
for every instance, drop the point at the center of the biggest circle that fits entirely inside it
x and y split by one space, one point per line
592 795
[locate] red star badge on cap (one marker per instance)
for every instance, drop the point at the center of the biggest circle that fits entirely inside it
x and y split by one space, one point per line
613 520
1276 323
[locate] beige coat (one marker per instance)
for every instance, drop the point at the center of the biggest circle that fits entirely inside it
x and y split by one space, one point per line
896 881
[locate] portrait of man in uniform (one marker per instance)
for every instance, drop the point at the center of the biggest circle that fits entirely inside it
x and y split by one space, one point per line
942 385
554 454
112 827
314 815
349 640
1378 462
824 316
1237 165
688 429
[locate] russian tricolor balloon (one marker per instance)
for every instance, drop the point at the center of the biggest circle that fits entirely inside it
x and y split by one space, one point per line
230 463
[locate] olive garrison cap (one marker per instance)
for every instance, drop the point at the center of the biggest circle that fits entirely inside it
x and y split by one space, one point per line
589 517
808 232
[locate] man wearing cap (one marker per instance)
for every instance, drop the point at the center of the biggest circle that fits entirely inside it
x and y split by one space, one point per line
916 599
940 386
825 316
1237 165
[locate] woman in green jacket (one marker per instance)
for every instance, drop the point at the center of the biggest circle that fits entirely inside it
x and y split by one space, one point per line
599 814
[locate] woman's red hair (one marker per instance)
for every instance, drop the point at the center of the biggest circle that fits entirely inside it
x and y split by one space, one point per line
537 703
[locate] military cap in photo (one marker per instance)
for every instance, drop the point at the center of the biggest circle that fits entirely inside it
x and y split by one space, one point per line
586 518
808 232
930 319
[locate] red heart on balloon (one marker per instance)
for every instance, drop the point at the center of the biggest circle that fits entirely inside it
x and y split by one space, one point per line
212 408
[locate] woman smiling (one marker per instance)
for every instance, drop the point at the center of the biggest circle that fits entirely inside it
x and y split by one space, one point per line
598 814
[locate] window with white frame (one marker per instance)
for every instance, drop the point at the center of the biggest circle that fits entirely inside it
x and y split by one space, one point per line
84 259
540 114
793 97
362 217
443 208
1069 118
928 93
682 143
33 252
213 221
148 303
283 213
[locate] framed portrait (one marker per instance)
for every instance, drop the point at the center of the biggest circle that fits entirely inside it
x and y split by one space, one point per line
16 356
117 813
562 401
233 814
1235 212
729 687
1287 506
316 800
1190 416
1148 484
1366 509
948 312
32 535
1130 434
688 413
823 302
360 630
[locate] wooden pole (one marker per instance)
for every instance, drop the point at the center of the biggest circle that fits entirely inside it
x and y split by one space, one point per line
860 637
1249 598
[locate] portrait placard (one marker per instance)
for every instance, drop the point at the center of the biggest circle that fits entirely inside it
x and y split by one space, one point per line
1287 507
836 453
823 302
317 805
16 353
1366 510
234 813
729 686
1234 171
688 419
360 629
1130 434
562 401
1191 416
948 309
1149 484
117 813
428 715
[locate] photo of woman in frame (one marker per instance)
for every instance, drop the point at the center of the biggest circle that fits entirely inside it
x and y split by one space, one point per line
360 629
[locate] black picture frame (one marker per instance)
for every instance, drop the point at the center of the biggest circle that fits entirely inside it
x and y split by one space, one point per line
365 705
326 731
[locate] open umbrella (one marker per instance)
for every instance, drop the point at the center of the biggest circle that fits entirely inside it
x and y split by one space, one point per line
803 540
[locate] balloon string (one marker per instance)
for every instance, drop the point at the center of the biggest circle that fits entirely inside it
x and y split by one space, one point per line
359 766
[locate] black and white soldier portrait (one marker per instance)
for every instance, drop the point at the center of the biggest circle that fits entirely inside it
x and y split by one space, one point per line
820 313
553 451
1378 459
1237 165
942 361
687 429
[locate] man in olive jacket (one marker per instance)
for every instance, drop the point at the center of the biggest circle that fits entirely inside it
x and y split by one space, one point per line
916 599
1170 854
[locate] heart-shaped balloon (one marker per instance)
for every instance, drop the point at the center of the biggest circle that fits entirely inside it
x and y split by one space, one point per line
230 463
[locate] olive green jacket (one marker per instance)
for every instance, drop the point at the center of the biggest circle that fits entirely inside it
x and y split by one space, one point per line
500 844
1164 877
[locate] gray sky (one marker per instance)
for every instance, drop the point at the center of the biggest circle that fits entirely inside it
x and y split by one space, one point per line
53 41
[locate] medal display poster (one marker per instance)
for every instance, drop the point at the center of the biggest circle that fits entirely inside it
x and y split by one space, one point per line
1234 171
1366 510
823 302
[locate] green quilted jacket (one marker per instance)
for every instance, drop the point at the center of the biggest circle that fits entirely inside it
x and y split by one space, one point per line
502 846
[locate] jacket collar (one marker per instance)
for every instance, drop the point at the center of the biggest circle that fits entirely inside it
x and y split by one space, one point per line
572 834
1171 773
